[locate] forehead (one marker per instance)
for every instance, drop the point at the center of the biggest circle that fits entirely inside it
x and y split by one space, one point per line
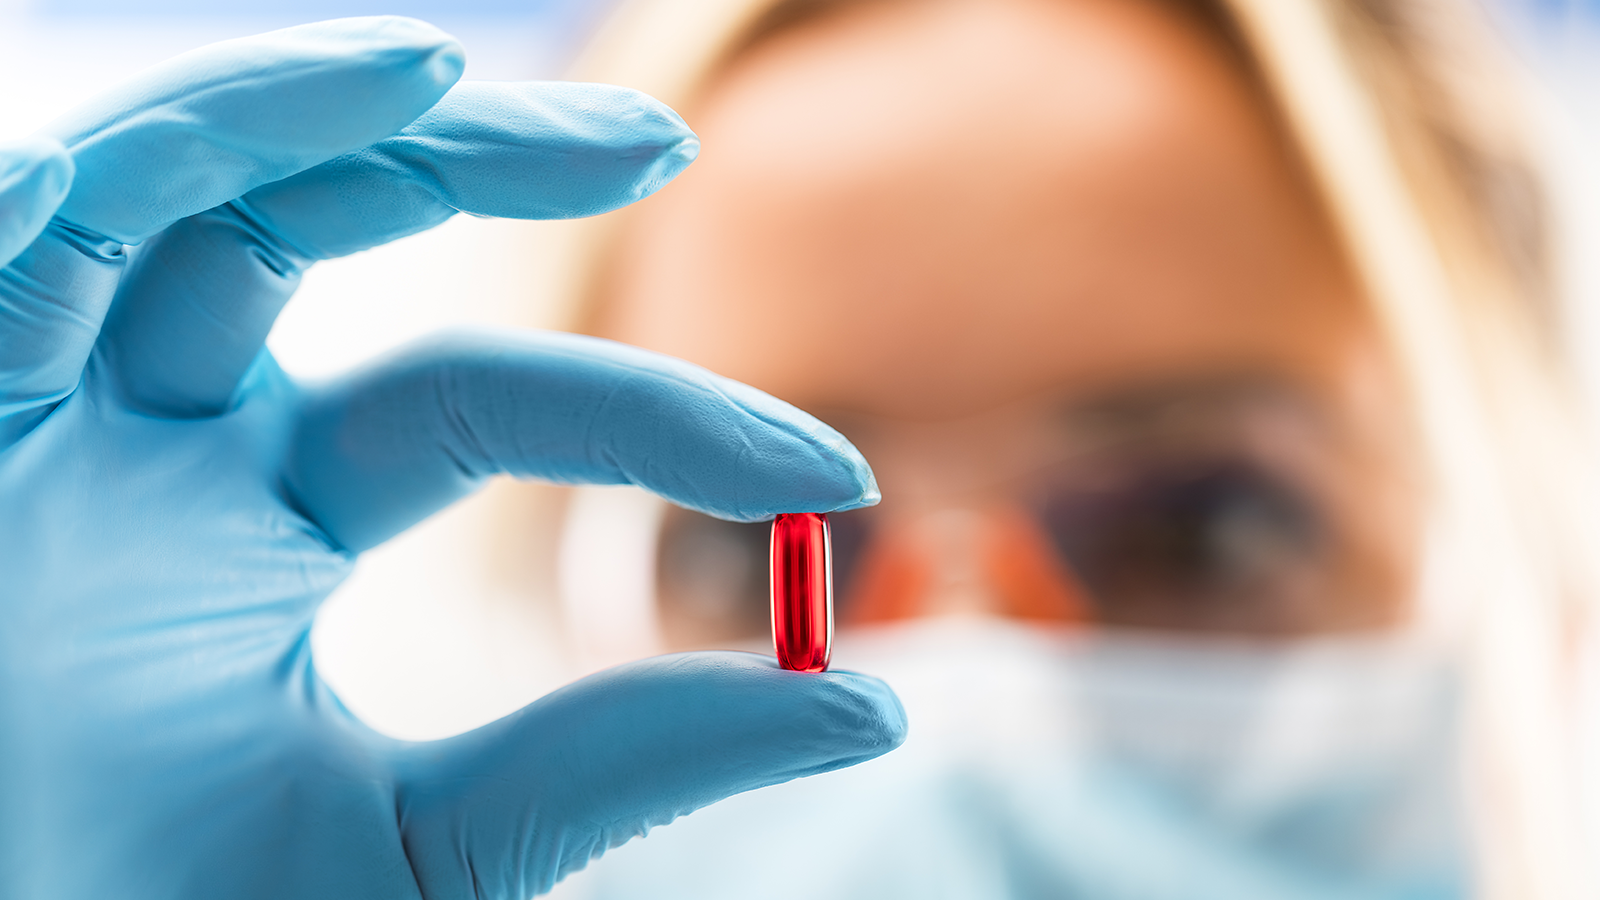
921 209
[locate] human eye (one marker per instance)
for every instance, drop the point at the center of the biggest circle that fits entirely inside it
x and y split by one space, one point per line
1221 544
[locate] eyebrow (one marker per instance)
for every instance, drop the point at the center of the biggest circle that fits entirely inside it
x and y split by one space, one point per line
1169 403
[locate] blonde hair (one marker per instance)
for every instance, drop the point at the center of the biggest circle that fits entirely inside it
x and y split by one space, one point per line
1411 126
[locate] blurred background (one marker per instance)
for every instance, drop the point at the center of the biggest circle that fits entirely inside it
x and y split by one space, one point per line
395 640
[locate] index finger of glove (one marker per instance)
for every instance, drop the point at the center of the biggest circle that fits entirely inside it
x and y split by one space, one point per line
205 127
391 444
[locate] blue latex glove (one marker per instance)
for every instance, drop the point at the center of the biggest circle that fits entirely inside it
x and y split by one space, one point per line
173 508
34 177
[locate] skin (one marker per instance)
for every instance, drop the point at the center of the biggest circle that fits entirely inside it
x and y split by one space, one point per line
962 231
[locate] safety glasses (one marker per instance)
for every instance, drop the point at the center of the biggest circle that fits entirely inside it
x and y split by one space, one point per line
1226 507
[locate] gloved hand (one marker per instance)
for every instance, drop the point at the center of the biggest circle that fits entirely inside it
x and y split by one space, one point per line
173 508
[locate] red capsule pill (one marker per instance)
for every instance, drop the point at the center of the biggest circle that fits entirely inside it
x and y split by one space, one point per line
802 591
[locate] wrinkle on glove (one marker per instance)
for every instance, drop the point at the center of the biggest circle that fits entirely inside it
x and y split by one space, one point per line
35 175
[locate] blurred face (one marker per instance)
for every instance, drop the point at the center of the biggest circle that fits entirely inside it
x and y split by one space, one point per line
1053 267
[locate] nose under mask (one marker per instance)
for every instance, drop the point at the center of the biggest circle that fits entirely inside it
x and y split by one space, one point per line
1057 764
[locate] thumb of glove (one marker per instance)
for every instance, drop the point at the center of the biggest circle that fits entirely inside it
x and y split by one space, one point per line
508 810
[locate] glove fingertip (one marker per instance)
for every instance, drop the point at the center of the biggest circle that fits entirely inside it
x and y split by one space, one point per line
667 166
869 717
858 475
619 136
425 49
837 477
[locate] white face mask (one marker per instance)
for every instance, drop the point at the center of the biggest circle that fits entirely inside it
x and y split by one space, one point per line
1059 765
